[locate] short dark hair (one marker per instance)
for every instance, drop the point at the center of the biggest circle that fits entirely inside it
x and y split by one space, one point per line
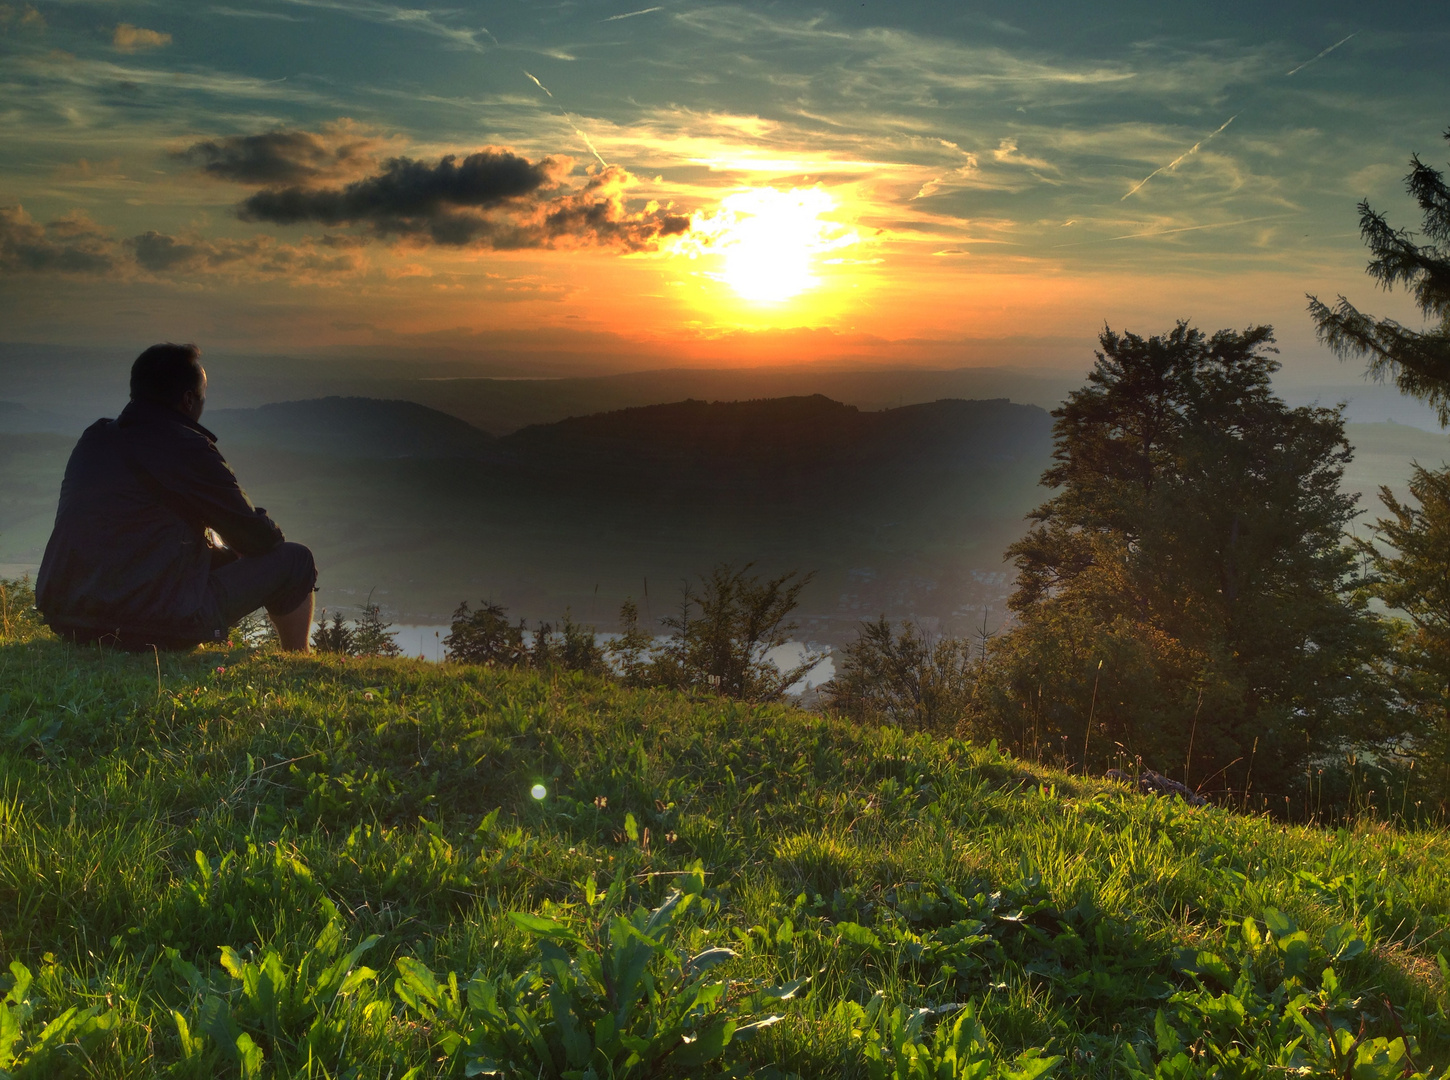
163 373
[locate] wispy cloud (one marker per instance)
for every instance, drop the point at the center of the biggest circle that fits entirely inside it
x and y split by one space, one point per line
249 13
111 76
420 20
632 14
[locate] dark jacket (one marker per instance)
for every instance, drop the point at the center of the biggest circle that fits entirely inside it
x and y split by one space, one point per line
129 548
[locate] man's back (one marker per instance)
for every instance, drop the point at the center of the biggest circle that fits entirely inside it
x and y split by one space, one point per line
129 546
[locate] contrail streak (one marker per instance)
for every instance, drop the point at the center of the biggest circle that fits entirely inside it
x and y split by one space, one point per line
1174 163
1322 55
567 117
1196 228
1170 232
632 14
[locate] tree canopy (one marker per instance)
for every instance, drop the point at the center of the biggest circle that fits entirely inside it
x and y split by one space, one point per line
1185 595
1418 361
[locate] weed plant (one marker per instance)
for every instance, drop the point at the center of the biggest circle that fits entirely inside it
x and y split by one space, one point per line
231 863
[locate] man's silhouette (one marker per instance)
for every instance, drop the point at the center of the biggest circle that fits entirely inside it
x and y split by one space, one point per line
130 559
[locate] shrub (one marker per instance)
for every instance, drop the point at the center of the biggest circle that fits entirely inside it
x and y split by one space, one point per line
485 636
902 677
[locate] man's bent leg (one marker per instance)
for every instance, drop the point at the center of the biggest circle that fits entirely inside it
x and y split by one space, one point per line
294 627
281 581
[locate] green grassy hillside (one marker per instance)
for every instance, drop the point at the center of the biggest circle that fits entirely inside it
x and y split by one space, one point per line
193 848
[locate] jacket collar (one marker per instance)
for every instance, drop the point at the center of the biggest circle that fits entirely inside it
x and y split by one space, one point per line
151 412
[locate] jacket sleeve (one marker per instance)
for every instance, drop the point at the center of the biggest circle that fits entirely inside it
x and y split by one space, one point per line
207 484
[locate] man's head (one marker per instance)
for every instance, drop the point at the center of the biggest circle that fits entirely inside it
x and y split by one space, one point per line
171 375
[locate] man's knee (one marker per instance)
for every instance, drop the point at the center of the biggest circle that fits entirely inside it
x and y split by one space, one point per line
301 578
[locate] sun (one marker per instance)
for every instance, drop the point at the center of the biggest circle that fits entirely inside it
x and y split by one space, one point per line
769 241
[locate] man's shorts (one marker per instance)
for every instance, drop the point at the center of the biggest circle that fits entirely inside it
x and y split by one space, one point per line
279 581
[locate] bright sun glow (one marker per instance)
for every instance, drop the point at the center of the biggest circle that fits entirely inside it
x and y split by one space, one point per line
770 241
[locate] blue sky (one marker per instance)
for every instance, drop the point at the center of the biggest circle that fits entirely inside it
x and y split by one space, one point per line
995 181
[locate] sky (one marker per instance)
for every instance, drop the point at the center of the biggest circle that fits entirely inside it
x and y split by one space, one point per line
935 184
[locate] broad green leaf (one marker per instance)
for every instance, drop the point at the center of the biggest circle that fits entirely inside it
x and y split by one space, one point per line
663 915
1031 1065
23 979
10 1032
190 1044
604 1035
1343 942
784 992
703 961
356 978
249 1057
215 1019
232 962
540 926
707 1046
417 984
631 828
1169 1041
577 1045
857 934
1279 924
745 1031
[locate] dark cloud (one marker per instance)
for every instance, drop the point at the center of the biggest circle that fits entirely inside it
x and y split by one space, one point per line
159 252
410 196
285 157
492 198
262 256
73 244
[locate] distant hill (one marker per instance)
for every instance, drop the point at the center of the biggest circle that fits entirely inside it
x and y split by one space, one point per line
899 510
351 427
806 451
17 419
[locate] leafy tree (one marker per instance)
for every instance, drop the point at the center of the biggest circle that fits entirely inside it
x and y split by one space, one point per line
725 646
902 677
372 636
1419 362
335 638
631 654
1412 576
1187 594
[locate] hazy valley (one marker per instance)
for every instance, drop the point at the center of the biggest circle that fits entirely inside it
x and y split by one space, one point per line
901 510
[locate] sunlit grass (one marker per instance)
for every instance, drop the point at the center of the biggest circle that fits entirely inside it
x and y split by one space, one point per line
358 794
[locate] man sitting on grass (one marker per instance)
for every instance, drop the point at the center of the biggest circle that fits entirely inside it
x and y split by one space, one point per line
131 560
